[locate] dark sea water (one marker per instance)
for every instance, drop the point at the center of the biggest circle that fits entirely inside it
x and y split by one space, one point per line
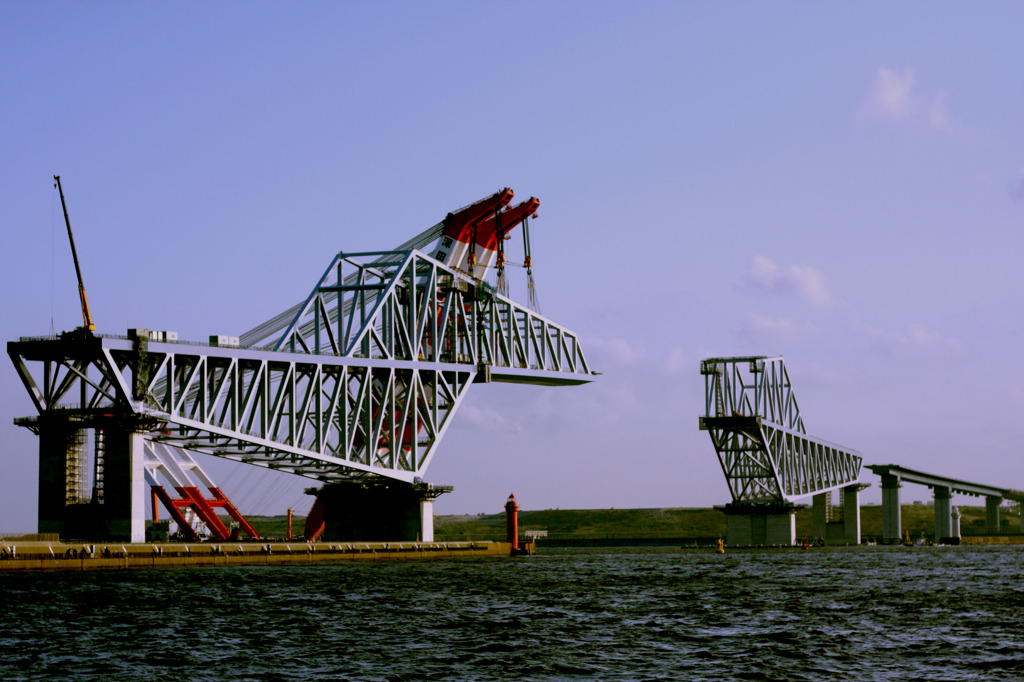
870 613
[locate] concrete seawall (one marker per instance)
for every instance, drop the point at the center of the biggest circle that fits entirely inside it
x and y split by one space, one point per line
17 557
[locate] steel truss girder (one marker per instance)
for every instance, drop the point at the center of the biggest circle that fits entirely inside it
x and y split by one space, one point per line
330 419
382 359
405 305
177 467
752 417
326 418
362 383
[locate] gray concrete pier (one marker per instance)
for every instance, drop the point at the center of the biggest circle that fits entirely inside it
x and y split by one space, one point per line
844 530
752 525
943 511
992 520
892 524
115 508
892 477
379 510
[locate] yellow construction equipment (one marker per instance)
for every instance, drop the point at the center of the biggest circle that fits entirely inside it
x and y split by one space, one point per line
87 327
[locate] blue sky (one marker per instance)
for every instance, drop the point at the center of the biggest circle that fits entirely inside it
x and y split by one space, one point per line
841 184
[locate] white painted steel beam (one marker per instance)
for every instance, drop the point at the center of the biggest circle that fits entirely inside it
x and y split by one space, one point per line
754 422
363 381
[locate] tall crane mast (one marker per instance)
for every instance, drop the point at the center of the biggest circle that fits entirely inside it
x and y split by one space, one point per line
87 327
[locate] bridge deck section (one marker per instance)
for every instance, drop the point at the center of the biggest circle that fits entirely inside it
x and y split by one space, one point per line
954 485
893 476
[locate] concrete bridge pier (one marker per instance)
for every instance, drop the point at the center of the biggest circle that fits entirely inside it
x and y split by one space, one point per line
845 531
125 486
892 524
992 520
943 513
821 514
62 461
379 511
760 524
114 507
851 513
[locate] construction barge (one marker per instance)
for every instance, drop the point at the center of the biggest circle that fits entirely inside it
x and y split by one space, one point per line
35 556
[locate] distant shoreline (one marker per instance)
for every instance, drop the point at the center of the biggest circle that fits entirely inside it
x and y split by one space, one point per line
653 526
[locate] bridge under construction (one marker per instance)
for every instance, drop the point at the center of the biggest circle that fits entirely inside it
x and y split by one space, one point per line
769 460
771 464
353 387
892 478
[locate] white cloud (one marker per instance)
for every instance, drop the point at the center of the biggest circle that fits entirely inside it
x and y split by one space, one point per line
613 351
487 420
678 362
893 97
801 280
938 117
916 340
918 337
779 331
609 355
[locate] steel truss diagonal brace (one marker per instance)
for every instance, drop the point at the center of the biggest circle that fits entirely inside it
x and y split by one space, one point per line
77 374
758 434
407 306
327 418
763 463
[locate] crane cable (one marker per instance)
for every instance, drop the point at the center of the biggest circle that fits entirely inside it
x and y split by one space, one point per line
528 264
499 233
471 259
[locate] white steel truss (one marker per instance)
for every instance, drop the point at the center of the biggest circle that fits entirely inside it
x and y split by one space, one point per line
755 426
362 382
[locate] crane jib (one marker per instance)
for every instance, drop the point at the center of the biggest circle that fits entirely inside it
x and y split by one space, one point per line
87 324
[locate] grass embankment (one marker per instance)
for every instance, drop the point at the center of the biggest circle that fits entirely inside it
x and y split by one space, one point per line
275 526
918 520
589 523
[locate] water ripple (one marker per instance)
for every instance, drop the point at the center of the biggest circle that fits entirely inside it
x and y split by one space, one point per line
855 614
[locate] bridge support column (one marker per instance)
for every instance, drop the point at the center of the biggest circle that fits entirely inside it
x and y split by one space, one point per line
820 514
760 524
845 530
992 521
427 520
379 511
943 513
65 507
892 524
61 455
851 513
124 485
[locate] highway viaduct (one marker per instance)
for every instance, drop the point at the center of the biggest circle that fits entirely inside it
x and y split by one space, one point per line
893 477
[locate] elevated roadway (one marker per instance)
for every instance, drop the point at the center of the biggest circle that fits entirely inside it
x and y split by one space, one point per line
893 476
